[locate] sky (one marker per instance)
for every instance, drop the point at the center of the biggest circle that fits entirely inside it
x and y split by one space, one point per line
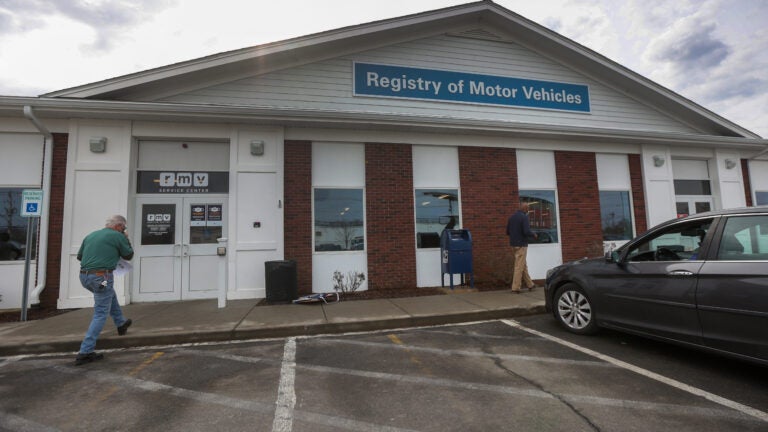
713 52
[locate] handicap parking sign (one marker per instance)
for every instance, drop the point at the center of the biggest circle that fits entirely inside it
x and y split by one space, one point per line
31 202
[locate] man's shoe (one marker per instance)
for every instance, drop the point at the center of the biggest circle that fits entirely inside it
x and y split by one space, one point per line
515 291
123 329
82 359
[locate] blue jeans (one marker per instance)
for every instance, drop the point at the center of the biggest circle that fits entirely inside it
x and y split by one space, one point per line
104 304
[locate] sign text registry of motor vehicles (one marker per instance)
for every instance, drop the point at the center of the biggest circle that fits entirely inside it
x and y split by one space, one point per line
450 86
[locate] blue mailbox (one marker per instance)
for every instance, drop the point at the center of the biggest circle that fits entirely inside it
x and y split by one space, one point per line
456 255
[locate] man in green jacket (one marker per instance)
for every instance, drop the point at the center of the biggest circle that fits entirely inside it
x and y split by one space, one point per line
98 255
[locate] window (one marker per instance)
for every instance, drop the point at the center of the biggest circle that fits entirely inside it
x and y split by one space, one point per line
13 227
436 210
761 198
339 220
692 187
677 243
616 215
745 238
542 214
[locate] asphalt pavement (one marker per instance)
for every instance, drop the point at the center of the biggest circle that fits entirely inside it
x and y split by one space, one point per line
163 323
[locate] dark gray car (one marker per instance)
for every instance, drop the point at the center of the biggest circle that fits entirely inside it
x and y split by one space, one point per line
700 281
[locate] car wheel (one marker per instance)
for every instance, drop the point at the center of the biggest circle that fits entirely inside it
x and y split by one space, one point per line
574 310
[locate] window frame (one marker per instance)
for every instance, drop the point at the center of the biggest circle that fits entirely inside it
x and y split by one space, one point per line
631 214
417 206
556 219
364 221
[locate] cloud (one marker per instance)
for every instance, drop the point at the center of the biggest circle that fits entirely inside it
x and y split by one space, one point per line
690 45
110 20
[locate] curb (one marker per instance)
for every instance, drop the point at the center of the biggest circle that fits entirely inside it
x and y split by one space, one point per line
71 346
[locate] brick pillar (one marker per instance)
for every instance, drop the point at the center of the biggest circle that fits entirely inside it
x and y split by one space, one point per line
638 193
579 198
298 211
50 295
390 226
489 195
747 183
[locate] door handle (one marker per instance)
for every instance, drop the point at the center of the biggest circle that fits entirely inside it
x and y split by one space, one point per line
680 273
185 250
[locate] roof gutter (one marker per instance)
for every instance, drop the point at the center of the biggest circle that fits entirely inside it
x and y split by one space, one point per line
42 250
762 152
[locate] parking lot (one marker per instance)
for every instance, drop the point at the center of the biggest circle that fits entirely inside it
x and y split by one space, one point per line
525 375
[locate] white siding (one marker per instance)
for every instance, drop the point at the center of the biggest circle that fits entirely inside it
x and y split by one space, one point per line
327 85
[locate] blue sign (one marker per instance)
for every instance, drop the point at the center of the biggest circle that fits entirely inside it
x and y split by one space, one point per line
31 202
431 84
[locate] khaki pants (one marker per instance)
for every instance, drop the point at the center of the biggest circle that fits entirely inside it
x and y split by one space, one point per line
520 266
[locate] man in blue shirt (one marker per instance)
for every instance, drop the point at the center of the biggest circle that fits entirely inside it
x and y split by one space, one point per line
519 231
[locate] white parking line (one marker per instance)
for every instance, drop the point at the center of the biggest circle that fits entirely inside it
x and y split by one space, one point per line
443 352
646 373
13 422
286 393
502 389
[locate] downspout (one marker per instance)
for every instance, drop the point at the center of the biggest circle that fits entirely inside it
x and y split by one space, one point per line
42 250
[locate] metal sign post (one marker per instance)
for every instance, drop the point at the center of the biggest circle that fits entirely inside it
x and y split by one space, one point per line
31 207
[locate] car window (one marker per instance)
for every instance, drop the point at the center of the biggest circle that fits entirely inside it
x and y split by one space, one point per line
679 242
745 238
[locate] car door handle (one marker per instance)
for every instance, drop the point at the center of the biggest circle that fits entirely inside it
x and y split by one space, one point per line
680 273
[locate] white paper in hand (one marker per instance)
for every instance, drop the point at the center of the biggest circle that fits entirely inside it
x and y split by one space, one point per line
122 268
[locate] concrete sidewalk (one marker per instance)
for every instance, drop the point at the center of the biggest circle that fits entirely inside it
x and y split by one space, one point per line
202 321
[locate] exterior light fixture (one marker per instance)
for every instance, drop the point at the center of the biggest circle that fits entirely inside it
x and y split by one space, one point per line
730 164
98 144
658 161
257 148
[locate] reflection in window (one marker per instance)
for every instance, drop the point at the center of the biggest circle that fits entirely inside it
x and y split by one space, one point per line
542 214
339 220
761 198
692 187
744 238
677 243
13 227
615 215
436 210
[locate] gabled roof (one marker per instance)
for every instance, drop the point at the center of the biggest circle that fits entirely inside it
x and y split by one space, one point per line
482 19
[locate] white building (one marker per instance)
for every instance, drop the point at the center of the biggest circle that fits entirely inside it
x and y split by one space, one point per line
375 136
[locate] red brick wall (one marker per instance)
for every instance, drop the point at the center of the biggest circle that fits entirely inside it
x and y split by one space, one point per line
579 199
390 223
747 183
298 210
489 195
50 295
638 194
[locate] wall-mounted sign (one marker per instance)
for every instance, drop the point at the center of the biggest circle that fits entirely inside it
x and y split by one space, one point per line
158 224
182 182
214 215
440 85
205 223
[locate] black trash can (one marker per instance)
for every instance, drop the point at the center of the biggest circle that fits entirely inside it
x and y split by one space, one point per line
281 281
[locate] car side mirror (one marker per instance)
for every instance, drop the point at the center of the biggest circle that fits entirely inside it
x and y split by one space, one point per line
612 257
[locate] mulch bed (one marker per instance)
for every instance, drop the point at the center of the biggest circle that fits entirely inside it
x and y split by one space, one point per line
399 293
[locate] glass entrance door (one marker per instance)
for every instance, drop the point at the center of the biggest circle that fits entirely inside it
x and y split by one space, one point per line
175 247
692 205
